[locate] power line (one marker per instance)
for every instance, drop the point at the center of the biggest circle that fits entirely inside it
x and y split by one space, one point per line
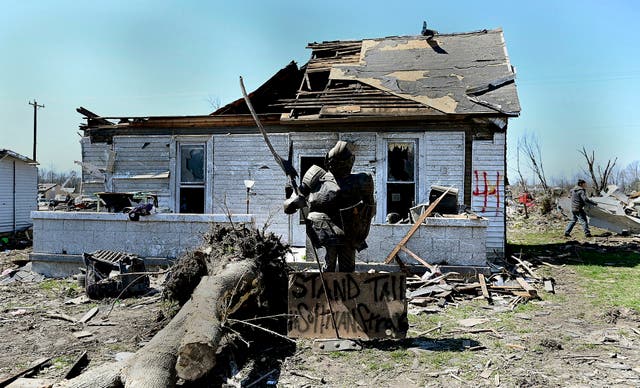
35 125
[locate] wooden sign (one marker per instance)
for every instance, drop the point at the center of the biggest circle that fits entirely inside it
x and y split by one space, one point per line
365 305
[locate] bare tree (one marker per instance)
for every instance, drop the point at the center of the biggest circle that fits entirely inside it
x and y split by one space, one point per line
599 176
522 182
530 145
630 176
214 102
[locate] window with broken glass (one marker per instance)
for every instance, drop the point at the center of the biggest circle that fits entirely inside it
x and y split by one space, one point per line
192 170
401 177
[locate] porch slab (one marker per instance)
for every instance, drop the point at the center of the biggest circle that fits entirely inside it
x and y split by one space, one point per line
60 238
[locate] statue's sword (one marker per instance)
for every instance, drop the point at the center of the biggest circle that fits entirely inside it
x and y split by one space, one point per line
287 166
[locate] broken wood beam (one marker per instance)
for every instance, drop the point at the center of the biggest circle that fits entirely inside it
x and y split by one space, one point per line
483 287
37 364
527 287
417 258
467 287
76 367
526 268
415 227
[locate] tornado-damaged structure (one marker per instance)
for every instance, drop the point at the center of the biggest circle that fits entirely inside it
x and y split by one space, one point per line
421 113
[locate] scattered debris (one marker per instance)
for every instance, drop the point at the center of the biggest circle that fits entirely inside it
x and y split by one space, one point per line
131 277
22 274
550 343
615 211
28 371
77 366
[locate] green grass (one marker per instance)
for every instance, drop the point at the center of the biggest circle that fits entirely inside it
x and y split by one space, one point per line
612 278
60 286
49 285
62 362
545 237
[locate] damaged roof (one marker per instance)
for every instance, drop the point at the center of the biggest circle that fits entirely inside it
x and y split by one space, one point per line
434 77
448 74
5 153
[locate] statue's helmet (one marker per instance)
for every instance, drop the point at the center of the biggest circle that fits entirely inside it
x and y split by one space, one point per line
339 160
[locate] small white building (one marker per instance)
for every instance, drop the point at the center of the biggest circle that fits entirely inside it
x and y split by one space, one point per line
18 191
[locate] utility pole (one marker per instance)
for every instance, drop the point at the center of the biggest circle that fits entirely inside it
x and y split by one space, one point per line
35 124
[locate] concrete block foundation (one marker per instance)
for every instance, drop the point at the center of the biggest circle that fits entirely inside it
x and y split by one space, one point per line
446 240
60 238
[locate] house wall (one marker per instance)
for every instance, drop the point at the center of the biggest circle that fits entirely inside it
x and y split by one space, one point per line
137 156
245 157
234 158
26 193
94 157
487 196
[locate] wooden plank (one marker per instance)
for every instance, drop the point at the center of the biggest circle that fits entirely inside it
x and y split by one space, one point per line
23 382
79 363
34 366
365 305
527 287
526 268
483 287
88 315
415 227
417 258
549 286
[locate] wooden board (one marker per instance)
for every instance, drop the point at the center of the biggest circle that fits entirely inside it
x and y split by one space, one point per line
365 305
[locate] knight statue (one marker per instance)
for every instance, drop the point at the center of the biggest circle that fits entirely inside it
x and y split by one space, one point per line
340 207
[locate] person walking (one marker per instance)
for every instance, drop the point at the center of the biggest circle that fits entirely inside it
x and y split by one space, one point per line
578 201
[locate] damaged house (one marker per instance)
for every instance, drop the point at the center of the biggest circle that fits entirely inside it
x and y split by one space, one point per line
421 111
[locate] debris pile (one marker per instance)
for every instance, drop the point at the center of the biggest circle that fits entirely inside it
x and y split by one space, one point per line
615 212
130 279
21 274
512 284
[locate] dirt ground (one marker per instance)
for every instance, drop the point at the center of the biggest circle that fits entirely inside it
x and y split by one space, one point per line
560 340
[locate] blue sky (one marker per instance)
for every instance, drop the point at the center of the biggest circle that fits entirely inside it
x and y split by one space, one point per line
578 65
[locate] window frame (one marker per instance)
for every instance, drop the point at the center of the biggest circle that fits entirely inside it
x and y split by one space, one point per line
176 170
383 141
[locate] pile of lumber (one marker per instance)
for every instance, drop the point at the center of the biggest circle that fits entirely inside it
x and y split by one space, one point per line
443 285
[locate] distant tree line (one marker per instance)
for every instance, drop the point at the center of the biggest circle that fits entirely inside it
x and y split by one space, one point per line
68 178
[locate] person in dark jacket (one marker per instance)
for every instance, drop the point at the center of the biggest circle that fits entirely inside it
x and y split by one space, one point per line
578 201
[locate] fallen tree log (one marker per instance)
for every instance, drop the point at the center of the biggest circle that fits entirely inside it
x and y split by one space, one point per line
237 262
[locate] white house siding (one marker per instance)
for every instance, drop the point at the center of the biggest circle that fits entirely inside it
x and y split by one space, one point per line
94 156
240 157
136 156
444 154
365 149
487 189
26 186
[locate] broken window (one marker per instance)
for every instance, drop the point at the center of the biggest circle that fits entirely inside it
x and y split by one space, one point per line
192 169
401 182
